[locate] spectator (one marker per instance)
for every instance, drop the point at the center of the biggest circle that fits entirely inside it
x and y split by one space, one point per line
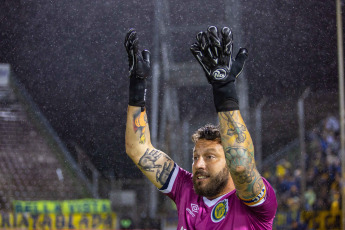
310 198
322 172
332 124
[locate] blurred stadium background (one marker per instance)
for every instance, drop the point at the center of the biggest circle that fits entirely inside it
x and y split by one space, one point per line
63 100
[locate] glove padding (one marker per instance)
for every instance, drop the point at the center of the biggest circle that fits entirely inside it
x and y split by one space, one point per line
139 69
213 50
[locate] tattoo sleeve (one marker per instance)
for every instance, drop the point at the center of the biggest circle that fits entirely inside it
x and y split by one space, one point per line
139 125
154 164
148 161
234 128
163 175
239 154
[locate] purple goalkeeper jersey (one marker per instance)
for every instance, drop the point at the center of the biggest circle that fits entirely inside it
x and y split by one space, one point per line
225 212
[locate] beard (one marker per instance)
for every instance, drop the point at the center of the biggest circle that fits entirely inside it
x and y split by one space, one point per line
215 184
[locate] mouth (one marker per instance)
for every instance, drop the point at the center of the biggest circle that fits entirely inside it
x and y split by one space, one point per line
201 177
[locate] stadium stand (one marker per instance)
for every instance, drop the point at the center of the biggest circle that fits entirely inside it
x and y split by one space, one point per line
31 166
322 204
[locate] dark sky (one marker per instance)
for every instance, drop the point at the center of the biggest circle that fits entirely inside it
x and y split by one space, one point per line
70 56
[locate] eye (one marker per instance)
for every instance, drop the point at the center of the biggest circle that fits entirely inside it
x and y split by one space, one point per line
195 158
210 157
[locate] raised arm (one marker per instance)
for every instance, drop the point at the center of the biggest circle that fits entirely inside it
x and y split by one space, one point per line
213 50
155 164
239 154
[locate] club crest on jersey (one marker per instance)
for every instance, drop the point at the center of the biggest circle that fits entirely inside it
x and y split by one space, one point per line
219 74
219 211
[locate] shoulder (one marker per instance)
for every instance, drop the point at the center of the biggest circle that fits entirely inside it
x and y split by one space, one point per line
177 179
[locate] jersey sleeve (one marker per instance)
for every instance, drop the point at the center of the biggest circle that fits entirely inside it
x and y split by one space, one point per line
264 206
178 182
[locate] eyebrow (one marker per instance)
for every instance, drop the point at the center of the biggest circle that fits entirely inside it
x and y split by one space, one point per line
206 151
210 150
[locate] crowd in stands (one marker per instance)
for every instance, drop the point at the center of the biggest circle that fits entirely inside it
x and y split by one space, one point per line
323 173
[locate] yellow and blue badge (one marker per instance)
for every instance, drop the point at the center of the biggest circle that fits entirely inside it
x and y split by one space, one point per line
259 199
219 211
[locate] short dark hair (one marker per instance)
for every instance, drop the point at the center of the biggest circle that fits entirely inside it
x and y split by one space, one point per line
208 132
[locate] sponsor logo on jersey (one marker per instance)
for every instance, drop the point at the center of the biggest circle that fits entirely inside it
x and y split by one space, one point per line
219 211
219 74
190 212
195 208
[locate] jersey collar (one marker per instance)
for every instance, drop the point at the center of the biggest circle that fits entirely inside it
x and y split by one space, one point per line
210 203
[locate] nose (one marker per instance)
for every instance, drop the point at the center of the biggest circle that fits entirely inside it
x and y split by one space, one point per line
199 163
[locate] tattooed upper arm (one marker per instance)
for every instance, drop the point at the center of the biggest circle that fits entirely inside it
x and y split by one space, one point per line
239 154
247 179
148 161
156 166
162 176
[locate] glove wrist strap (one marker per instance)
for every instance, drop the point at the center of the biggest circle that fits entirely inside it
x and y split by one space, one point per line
225 97
228 105
137 92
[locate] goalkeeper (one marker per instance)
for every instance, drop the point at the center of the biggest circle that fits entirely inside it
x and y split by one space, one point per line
225 190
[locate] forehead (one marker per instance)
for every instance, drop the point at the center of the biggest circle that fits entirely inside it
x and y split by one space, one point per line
203 146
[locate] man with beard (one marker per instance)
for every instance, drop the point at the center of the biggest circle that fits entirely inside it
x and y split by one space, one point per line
225 190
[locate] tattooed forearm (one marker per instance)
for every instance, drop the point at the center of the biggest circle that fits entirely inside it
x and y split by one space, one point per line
234 128
148 161
139 125
163 175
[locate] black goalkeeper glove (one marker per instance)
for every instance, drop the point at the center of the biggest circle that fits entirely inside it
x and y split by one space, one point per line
139 70
213 50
